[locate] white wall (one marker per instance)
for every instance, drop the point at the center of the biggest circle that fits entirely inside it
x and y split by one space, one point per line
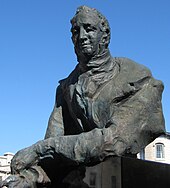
150 150
5 161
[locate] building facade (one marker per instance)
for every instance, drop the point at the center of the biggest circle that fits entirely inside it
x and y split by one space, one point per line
5 162
158 150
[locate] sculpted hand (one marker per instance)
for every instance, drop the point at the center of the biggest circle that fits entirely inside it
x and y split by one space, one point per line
25 169
14 181
24 159
29 157
27 179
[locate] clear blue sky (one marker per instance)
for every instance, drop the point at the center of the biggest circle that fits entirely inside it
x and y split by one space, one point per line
36 51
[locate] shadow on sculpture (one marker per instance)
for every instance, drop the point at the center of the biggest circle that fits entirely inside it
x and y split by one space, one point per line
107 106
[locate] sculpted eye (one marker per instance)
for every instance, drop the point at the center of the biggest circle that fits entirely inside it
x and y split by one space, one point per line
89 28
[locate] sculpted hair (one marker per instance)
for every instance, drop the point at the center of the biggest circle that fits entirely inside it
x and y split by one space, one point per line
104 24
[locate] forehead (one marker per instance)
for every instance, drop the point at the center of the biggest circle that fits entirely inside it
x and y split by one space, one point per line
86 18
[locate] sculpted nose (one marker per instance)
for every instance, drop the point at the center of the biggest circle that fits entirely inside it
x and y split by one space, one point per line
83 34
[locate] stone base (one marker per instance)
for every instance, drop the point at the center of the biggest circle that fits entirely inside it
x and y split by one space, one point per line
122 172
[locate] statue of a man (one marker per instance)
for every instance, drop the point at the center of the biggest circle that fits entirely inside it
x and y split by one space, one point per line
106 107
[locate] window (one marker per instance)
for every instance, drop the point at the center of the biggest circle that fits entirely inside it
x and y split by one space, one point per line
92 180
160 151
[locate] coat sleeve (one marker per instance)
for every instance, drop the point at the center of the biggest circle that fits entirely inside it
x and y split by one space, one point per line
55 123
137 121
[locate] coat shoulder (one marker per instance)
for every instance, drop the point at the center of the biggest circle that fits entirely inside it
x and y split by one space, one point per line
132 66
131 70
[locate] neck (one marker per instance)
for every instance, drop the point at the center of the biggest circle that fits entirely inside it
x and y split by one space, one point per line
95 61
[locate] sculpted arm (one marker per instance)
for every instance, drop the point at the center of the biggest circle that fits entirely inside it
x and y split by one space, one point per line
55 123
136 121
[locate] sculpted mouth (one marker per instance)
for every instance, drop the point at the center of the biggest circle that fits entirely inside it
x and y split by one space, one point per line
85 45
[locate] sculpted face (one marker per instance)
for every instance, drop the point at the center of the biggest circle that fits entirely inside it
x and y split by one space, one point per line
86 34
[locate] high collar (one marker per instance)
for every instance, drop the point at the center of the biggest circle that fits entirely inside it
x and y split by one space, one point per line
98 63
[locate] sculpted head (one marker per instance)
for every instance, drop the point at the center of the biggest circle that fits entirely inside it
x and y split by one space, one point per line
90 33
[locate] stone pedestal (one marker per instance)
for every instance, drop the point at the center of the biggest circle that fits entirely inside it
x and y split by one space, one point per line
122 172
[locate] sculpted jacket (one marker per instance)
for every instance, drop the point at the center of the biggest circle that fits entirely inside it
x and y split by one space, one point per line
111 108
108 107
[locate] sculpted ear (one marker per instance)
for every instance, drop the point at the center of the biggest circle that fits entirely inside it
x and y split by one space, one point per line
106 34
106 37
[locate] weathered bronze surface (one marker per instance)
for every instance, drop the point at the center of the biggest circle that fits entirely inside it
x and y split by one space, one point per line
107 106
